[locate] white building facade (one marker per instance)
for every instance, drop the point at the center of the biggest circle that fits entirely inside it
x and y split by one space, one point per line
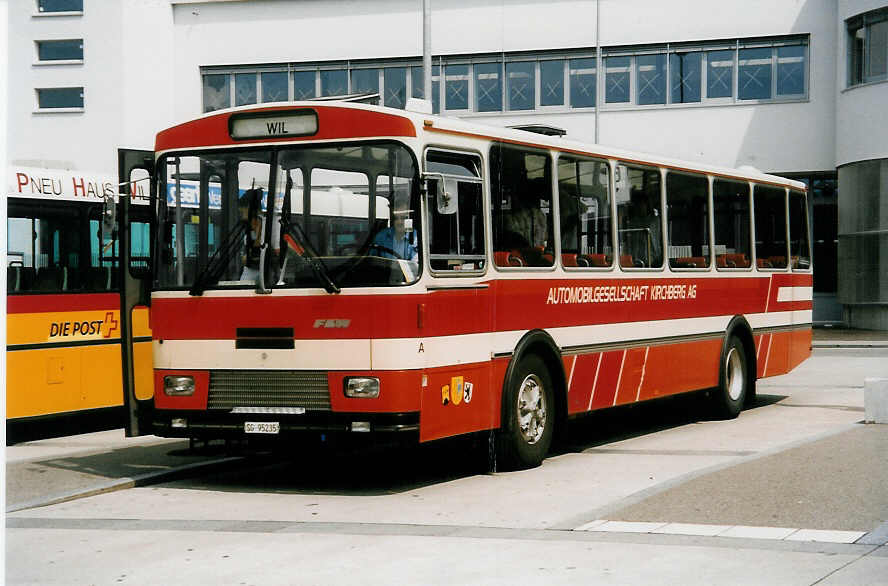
790 87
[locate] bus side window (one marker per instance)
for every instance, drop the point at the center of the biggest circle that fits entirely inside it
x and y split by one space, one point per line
732 229
521 197
585 212
799 246
687 207
456 236
640 218
770 227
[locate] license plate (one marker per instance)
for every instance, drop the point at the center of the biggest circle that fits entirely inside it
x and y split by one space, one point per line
262 427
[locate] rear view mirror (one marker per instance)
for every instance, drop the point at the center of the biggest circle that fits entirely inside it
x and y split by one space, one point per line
446 196
109 218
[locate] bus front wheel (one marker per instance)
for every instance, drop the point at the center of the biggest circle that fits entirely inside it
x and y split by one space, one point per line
733 381
526 432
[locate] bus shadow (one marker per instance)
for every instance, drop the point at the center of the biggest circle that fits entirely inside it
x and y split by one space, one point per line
376 469
631 421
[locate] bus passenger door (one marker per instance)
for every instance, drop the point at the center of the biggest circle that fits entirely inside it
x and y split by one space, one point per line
136 194
459 397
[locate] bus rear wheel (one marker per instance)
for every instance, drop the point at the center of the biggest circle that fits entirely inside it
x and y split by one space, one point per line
529 416
733 381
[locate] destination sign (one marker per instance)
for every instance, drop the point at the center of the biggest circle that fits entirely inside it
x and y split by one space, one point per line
273 124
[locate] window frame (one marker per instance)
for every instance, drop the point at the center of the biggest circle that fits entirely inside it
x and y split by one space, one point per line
750 216
786 246
710 244
485 211
619 250
559 253
556 233
38 109
44 62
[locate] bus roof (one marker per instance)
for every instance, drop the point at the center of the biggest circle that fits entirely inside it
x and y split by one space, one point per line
370 121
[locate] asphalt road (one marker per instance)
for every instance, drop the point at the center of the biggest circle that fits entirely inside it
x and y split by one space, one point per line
799 460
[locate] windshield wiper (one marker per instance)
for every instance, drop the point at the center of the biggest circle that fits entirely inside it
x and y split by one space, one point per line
216 266
300 244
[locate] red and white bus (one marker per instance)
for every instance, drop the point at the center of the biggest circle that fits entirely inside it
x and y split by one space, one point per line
342 267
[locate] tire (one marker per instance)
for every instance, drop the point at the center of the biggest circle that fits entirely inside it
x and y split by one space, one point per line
528 416
733 381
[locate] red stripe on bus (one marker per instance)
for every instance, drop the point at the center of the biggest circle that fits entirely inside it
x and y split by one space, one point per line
61 302
333 122
520 305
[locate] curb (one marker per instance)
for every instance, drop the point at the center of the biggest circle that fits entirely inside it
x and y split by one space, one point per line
146 479
850 344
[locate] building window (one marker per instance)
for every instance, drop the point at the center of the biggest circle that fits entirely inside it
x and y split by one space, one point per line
334 82
456 87
710 72
719 74
754 73
685 76
60 98
304 85
521 78
274 86
49 6
552 83
395 81
216 91
868 47
651 74
616 75
488 89
583 76
417 84
244 89
69 50
365 81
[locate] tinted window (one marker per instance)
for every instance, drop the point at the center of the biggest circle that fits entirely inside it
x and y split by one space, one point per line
521 196
488 89
274 87
791 70
799 247
216 91
552 83
365 81
684 73
60 5
334 82
522 83
585 212
456 87
687 201
303 85
651 79
60 50
417 83
61 97
754 74
395 79
456 234
244 89
617 79
770 227
730 200
719 74
582 83
639 216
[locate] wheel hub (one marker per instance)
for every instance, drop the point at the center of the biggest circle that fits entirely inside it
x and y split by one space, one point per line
531 409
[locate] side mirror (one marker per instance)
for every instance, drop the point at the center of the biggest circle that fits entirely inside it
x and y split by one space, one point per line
109 218
446 199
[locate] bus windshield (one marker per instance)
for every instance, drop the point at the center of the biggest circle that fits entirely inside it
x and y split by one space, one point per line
340 216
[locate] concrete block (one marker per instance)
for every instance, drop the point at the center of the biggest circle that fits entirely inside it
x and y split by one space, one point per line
875 400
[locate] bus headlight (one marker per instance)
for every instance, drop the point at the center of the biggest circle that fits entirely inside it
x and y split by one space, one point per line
178 386
362 387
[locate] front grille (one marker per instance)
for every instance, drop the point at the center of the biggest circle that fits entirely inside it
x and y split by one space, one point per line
269 388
